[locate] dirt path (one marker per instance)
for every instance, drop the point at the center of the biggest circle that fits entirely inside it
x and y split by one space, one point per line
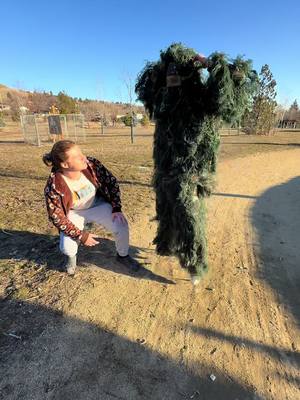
153 336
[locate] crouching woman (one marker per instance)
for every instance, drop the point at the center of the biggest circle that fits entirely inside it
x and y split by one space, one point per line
80 190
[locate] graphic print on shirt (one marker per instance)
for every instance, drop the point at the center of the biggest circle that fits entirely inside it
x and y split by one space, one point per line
83 192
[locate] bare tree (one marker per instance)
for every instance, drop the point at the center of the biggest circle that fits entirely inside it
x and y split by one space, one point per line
40 102
14 105
129 84
100 96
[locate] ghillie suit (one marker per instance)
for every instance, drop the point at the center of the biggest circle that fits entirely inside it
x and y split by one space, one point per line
188 108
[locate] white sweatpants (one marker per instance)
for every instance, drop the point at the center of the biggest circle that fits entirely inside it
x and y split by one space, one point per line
100 214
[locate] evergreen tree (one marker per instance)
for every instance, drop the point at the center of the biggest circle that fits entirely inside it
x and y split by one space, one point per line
66 104
129 120
261 119
293 114
145 121
294 106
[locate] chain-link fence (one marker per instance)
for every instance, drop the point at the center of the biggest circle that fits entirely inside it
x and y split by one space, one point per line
41 128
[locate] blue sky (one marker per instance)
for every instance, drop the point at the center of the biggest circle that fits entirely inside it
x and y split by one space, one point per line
87 47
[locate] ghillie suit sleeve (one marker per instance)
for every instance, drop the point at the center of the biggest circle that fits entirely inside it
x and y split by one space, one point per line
188 108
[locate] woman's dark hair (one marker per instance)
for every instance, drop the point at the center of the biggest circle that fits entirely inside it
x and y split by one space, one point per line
58 154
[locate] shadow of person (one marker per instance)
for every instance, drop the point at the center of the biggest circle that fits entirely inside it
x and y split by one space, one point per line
135 183
20 175
276 219
52 356
262 144
284 355
14 142
104 257
44 250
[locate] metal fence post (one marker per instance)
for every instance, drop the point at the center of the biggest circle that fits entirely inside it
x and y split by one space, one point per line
23 127
37 132
66 126
75 131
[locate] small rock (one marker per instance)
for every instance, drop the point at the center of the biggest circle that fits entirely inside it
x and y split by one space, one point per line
12 335
194 394
212 377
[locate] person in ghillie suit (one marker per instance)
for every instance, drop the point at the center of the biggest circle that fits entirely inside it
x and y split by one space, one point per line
188 107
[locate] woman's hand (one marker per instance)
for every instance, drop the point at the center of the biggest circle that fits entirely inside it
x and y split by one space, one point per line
119 217
91 240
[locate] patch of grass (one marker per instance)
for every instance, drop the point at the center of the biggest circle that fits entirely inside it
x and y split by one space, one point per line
22 293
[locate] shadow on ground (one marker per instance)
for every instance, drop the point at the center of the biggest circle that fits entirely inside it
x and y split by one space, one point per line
44 250
261 144
19 175
281 354
276 219
58 357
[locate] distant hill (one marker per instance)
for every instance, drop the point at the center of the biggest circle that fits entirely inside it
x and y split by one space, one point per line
40 102
5 89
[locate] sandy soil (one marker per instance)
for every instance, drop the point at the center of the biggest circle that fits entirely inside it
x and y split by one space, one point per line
108 334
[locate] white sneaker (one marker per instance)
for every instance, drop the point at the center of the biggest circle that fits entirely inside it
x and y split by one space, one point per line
71 269
195 279
71 265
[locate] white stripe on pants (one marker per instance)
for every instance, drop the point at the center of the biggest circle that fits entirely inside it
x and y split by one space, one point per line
100 214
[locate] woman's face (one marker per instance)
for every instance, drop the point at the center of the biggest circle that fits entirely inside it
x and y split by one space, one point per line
76 161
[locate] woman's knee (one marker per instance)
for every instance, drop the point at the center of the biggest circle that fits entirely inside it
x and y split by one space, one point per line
120 227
